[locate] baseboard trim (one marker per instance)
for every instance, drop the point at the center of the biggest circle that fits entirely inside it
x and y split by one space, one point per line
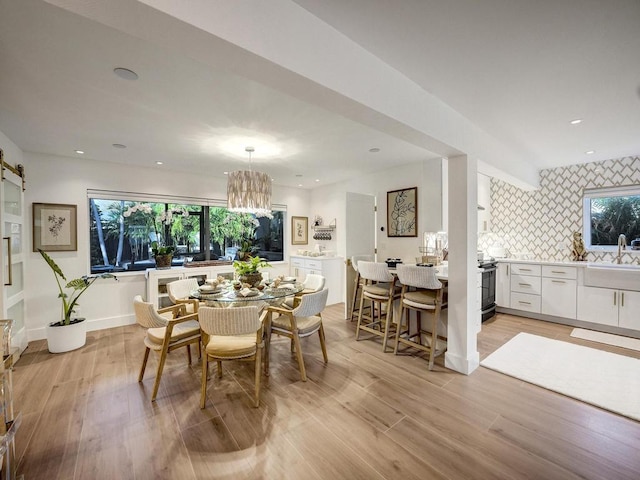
461 364
92 325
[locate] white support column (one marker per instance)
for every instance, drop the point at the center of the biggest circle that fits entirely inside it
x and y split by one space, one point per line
462 349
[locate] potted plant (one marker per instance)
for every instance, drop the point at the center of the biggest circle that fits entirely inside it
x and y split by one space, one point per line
248 272
69 333
163 254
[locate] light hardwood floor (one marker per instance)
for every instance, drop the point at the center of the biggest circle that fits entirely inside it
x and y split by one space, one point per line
366 415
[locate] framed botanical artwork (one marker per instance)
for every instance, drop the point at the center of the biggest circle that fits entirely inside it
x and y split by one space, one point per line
54 227
402 213
299 230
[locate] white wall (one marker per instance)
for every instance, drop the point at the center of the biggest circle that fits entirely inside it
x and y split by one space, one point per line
329 203
52 179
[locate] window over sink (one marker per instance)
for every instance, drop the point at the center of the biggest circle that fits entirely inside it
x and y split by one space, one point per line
609 213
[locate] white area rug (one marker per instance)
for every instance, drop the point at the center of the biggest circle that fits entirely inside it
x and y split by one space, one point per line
604 379
608 338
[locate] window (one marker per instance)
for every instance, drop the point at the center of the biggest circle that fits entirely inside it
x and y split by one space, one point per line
123 231
609 213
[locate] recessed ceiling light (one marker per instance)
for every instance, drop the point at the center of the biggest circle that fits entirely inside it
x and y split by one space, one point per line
317 179
590 152
576 121
299 184
125 73
374 150
159 163
226 173
79 152
119 145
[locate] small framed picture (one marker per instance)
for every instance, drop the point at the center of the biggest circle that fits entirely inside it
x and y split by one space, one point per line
402 213
299 230
54 227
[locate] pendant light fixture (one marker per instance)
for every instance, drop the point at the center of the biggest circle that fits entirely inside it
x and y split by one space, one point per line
249 191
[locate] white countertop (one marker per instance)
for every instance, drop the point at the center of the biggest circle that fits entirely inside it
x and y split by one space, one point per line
567 263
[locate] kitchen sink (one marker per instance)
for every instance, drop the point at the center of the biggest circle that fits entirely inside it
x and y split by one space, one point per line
612 275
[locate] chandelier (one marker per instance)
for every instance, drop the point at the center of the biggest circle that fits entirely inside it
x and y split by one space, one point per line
249 191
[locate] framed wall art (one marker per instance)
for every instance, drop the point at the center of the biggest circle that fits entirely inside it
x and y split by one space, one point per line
54 227
402 213
299 230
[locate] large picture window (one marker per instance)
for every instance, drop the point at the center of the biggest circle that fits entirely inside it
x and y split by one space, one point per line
123 232
609 213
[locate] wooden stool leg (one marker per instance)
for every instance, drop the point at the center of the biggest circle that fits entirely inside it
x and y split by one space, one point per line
359 317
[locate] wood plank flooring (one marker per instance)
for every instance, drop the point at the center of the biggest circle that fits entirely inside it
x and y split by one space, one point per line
365 415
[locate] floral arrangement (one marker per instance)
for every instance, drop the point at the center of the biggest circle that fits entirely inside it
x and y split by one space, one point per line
157 221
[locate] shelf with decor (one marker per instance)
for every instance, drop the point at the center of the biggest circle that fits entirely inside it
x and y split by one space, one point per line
323 232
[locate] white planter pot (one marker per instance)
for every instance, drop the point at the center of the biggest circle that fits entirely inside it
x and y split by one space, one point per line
66 337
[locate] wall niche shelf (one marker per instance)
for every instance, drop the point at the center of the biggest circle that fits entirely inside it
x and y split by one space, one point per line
323 232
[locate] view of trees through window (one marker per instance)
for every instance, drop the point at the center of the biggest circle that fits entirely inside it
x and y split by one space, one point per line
122 233
611 216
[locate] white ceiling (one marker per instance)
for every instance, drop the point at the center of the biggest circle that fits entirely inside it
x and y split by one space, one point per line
518 70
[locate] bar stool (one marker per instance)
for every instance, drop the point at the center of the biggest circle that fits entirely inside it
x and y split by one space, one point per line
426 296
381 290
358 283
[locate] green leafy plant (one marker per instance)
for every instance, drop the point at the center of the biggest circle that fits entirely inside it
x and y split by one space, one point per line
157 249
78 286
252 266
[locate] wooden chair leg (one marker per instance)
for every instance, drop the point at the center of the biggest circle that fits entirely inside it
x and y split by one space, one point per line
258 375
387 323
434 336
355 296
189 353
401 316
205 375
303 372
323 343
163 358
359 317
219 369
144 363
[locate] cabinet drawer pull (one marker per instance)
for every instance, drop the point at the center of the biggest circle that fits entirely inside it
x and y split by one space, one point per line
558 271
524 284
524 303
525 269
507 269
558 281
615 297
622 299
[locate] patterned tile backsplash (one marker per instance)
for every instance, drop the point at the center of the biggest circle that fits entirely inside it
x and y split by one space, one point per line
541 222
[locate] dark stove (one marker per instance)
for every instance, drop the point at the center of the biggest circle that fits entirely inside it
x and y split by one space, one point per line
488 267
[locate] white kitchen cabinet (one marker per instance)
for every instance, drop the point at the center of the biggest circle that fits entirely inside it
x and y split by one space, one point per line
503 285
525 283
559 291
157 280
329 267
558 297
629 310
607 306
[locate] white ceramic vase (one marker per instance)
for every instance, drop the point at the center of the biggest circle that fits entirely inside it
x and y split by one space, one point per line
65 338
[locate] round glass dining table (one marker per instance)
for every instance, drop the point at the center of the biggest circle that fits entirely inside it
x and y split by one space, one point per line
227 296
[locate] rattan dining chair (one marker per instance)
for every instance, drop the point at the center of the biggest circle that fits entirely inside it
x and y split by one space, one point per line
312 283
358 284
167 329
233 333
302 321
179 292
422 292
380 290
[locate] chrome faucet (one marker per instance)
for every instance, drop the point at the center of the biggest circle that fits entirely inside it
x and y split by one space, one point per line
622 245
